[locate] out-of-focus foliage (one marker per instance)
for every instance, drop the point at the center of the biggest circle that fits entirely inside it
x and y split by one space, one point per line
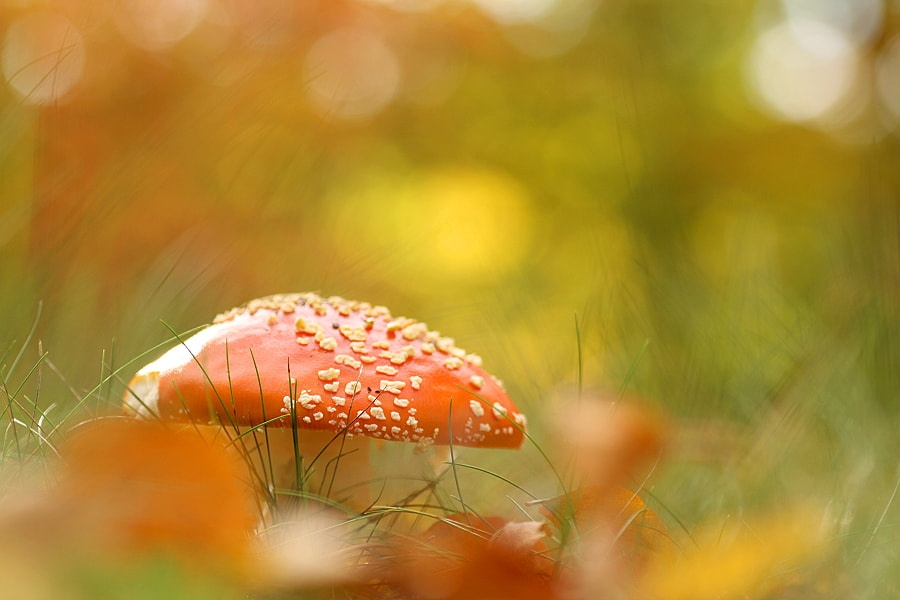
695 201
133 510
750 560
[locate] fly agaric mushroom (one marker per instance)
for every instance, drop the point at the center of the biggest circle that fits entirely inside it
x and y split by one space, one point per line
332 367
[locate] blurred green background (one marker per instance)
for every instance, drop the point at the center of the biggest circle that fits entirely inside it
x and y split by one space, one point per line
695 202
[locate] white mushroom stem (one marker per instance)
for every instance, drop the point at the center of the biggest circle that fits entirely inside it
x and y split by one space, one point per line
338 470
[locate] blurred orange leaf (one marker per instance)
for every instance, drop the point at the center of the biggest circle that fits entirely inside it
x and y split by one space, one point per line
619 515
610 442
137 487
465 556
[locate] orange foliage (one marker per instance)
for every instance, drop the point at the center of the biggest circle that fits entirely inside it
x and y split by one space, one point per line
465 556
135 487
610 441
635 532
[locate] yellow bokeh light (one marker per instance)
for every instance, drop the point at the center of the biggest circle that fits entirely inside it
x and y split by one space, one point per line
479 220
740 560
450 225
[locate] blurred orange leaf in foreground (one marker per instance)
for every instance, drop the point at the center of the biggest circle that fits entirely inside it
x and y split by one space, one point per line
465 556
137 487
633 532
609 442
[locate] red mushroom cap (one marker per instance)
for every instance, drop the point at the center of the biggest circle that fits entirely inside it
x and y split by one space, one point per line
337 365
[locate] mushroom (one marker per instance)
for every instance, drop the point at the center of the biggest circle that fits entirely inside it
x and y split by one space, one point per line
340 371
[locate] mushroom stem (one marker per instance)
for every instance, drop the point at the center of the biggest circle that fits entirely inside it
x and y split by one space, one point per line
440 460
330 467
333 468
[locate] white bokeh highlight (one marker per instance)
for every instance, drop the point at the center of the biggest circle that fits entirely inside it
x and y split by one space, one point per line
859 20
43 57
801 70
159 24
350 74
